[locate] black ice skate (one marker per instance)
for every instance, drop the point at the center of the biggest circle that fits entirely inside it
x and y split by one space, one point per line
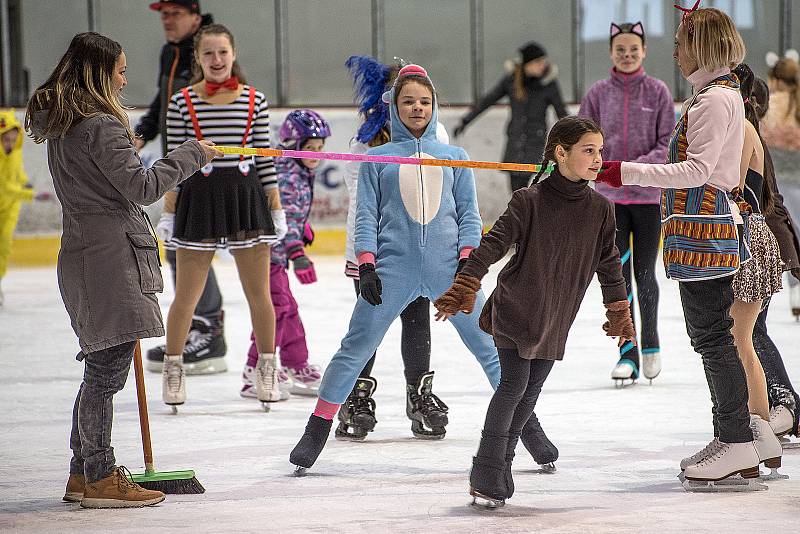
427 412
204 351
357 414
539 446
308 449
487 483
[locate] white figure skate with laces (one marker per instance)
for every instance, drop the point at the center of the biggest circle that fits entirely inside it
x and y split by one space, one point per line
173 382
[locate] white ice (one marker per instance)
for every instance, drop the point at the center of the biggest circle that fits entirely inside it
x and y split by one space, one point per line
619 448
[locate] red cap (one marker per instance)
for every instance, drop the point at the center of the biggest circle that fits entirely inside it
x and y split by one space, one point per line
191 5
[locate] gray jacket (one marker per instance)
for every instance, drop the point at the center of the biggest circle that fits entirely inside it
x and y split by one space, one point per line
108 265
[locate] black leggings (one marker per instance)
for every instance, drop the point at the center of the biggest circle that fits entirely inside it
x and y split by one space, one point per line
779 387
514 399
643 222
415 341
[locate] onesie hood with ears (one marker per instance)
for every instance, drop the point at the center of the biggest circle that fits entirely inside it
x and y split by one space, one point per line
8 122
398 130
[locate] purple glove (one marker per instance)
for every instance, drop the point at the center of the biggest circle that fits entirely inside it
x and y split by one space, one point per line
303 268
308 234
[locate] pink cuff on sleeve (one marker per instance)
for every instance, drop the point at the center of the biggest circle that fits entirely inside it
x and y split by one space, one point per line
464 254
366 257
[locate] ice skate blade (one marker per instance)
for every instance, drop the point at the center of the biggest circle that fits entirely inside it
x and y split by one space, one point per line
173 408
428 436
485 503
210 366
300 471
788 444
622 383
267 405
724 485
547 469
303 390
773 475
343 436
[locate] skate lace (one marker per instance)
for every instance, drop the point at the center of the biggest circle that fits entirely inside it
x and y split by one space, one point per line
428 402
362 405
124 480
715 455
268 375
174 375
197 341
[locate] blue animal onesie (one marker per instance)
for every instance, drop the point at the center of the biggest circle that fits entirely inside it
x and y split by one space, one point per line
414 220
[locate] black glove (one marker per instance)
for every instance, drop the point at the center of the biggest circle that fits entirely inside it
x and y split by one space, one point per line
459 130
461 264
369 283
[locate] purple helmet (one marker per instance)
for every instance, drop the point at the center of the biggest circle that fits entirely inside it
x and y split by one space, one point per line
302 124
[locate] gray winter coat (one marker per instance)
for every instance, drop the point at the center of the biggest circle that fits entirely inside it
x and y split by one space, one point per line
108 266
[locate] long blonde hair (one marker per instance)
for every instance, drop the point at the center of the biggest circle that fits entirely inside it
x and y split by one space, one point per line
81 86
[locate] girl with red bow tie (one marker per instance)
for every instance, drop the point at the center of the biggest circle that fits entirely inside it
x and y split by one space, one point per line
233 204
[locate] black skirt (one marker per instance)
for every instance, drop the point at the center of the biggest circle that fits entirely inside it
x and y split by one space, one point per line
225 209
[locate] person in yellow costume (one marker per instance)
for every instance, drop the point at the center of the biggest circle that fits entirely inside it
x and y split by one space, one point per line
14 187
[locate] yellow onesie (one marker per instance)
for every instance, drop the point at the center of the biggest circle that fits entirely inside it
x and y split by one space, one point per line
14 189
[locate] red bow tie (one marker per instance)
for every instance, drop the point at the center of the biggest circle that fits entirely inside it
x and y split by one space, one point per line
231 83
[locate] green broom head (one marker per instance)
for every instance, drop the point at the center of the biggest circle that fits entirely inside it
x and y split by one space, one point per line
170 482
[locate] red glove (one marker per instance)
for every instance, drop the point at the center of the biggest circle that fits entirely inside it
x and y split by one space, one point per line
43 195
610 174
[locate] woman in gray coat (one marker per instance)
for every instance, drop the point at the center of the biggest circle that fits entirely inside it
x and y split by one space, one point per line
108 265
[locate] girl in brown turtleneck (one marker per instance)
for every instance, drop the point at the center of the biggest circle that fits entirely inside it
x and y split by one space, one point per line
564 233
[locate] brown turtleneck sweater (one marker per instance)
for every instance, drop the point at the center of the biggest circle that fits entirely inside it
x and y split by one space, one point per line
564 232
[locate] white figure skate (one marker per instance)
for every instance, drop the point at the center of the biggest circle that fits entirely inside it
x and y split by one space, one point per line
266 380
624 374
173 382
717 472
768 448
651 364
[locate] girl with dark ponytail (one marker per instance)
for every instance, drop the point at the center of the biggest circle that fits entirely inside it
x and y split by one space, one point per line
540 290
759 278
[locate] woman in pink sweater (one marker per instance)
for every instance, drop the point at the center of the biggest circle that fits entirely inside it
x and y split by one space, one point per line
699 221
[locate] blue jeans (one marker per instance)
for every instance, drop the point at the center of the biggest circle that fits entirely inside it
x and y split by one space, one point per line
104 374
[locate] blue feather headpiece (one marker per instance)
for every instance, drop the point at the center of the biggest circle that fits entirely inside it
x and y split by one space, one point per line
370 78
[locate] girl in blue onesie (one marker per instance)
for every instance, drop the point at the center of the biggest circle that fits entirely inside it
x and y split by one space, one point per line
413 224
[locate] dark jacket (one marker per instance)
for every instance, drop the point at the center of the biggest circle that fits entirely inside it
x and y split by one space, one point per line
175 72
782 225
108 267
527 126
564 233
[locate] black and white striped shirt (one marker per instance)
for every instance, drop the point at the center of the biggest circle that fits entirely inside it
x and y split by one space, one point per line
224 124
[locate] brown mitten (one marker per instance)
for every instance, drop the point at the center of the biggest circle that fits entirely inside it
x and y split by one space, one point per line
460 296
619 322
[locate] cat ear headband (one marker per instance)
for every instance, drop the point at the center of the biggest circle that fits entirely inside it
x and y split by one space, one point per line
636 29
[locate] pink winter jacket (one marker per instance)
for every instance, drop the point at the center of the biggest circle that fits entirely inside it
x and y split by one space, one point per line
637 115
715 137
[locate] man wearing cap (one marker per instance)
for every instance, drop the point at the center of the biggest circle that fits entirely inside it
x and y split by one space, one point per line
205 347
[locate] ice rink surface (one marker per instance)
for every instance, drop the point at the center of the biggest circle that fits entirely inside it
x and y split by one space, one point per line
619 448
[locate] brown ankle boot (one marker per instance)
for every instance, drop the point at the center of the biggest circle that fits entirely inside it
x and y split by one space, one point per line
75 487
119 491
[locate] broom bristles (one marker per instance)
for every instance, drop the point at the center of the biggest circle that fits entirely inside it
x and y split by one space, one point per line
187 486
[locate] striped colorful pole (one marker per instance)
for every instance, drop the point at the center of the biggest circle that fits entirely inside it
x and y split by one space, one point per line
339 156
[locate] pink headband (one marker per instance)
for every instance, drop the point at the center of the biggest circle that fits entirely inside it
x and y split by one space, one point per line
409 70
685 18
636 29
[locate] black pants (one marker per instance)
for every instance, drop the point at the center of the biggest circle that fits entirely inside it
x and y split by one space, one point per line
706 309
210 303
779 386
514 399
640 223
415 341
105 373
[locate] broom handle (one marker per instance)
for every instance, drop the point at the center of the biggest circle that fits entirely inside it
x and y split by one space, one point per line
144 421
